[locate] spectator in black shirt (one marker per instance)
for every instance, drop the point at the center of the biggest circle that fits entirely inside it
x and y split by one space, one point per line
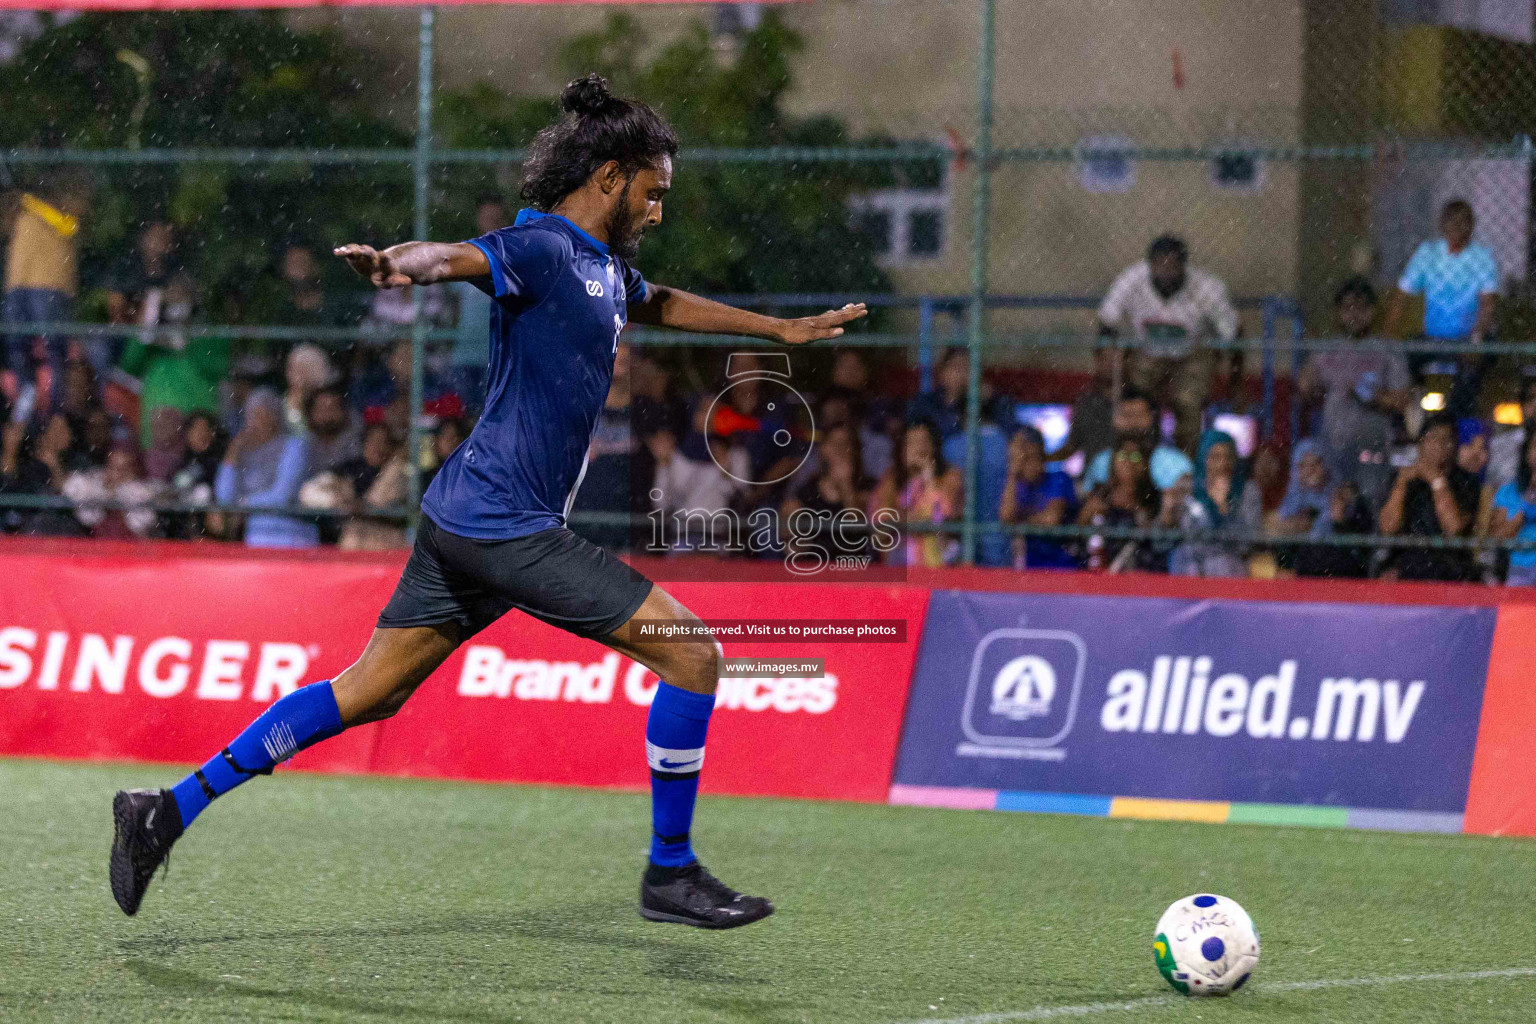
614 465
840 486
192 480
92 438
1434 497
360 472
139 284
945 406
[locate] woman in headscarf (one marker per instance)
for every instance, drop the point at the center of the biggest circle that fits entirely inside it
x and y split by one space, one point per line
1314 506
1306 493
1222 501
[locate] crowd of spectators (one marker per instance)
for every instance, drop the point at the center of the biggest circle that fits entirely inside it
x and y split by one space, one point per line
186 436
183 435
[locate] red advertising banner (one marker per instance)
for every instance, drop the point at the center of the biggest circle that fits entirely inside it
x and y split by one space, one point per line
1502 797
163 652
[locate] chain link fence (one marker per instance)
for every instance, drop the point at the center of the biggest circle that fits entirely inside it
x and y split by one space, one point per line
1290 149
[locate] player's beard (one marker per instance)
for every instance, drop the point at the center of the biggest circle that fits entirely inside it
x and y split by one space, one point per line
623 235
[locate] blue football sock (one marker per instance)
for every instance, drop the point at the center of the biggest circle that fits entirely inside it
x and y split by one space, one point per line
300 720
674 746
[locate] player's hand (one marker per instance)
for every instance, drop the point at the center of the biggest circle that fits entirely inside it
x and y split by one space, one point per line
376 266
818 328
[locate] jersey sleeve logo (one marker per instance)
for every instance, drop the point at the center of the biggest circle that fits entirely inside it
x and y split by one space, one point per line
595 288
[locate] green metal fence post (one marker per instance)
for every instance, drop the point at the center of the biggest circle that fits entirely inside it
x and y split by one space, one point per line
421 228
981 213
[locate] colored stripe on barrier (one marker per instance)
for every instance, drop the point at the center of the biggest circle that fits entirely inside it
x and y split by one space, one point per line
1309 815
1405 821
1169 810
945 796
1053 803
1144 809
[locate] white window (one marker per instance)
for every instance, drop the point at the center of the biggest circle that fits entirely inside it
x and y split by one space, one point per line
907 225
1104 164
1237 170
736 18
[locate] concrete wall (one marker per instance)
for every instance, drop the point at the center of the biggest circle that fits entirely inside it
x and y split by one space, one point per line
1066 70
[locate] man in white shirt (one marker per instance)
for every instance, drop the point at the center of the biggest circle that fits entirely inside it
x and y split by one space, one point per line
1170 309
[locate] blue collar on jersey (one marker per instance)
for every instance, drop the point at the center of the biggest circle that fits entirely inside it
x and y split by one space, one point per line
528 216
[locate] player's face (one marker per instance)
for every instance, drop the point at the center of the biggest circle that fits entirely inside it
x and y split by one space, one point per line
639 208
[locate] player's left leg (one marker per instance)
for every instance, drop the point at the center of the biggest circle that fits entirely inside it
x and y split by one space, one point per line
676 888
148 822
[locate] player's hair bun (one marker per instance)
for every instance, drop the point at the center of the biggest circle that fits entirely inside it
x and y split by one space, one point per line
587 95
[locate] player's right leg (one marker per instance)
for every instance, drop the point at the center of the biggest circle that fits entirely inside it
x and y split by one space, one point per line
147 822
675 887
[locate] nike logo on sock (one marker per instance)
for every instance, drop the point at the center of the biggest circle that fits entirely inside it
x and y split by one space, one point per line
671 766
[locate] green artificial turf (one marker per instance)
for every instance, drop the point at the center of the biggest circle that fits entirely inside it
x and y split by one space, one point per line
314 898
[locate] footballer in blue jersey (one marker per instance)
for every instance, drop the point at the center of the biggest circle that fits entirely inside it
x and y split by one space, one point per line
493 537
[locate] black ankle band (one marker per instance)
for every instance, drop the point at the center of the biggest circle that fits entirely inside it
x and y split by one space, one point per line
202 780
243 771
670 840
673 776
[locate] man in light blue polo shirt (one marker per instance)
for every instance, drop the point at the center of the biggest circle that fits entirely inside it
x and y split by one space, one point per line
1515 515
1459 280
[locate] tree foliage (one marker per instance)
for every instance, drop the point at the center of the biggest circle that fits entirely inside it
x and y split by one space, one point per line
755 227
221 79
209 79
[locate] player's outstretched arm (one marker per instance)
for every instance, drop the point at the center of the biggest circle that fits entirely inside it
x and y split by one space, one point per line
684 311
416 263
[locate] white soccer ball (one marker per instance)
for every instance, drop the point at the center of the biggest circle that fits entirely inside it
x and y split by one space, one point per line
1206 946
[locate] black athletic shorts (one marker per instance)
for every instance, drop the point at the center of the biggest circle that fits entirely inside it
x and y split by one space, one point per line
553 575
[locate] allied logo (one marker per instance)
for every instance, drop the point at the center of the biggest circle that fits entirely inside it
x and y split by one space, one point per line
595 288
1022 696
1024 688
